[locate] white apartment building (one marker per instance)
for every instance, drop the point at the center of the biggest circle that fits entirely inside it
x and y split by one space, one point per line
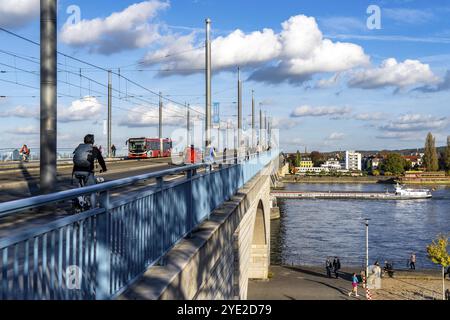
353 161
332 164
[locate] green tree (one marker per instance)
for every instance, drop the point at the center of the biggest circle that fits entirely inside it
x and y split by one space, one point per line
394 164
317 158
447 155
438 254
430 159
298 159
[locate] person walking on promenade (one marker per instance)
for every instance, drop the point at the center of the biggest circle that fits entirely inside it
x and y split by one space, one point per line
328 266
412 261
336 266
113 151
355 282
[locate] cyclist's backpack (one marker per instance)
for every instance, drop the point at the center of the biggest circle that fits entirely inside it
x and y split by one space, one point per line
83 156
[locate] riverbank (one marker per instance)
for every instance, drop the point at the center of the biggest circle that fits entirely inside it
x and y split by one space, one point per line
311 283
363 180
330 179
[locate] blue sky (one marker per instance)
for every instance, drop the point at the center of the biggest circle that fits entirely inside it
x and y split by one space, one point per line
328 81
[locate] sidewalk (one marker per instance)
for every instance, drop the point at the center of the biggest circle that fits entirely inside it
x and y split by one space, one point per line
303 283
311 283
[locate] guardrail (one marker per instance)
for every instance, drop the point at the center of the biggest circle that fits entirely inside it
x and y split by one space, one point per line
96 254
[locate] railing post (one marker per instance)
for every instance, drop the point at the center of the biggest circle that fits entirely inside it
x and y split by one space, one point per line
159 187
190 222
103 251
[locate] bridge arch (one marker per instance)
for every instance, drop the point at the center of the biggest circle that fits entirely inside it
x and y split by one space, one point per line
259 252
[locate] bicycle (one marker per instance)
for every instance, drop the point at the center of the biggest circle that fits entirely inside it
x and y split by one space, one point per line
85 202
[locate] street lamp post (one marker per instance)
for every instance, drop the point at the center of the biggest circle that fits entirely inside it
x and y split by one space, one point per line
367 248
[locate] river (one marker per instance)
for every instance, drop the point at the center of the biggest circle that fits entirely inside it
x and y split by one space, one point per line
311 230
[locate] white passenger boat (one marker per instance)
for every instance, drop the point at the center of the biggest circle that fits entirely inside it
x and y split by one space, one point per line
409 193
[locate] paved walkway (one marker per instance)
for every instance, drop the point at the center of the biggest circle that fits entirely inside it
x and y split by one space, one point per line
303 283
311 283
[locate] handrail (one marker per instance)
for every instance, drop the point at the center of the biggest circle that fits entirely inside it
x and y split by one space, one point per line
8 208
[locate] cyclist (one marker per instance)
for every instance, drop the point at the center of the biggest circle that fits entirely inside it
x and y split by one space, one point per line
84 157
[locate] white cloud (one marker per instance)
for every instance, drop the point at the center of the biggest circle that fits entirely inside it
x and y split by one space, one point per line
128 29
284 123
17 13
296 53
21 112
236 49
23 131
173 115
416 122
327 83
373 116
87 108
336 136
403 136
394 74
309 111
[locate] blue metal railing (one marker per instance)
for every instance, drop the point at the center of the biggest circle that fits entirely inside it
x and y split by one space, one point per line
113 244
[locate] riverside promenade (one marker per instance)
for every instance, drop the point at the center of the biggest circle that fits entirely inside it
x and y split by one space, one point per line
311 283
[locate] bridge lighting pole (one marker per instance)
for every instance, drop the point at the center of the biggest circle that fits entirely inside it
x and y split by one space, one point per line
160 133
239 134
188 126
109 138
208 85
48 108
260 127
253 118
265 128
367 249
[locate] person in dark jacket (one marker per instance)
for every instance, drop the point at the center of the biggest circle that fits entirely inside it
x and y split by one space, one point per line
328 266
84 160
336 266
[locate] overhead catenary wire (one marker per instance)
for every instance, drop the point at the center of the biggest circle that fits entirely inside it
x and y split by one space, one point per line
102 68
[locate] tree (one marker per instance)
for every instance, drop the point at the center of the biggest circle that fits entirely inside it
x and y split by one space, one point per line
438 254
447 155
317 158
298 159
394 164
430 159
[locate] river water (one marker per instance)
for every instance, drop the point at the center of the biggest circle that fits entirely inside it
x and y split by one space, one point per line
311 230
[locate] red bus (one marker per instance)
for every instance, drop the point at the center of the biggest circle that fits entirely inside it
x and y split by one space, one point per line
145 148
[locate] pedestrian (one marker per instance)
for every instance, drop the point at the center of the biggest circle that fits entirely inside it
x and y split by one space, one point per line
100 149
328 266
113 151
412 261
336 266
355 282
447 272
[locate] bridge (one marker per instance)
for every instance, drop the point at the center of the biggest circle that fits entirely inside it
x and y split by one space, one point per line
189 232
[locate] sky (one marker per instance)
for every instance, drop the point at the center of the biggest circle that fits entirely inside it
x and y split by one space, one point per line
348 75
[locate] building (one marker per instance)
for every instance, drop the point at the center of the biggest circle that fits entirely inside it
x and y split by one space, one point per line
332 165
306 163
415 161
301 170
353 161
